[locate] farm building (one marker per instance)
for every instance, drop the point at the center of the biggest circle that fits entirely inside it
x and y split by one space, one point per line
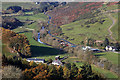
58 60
90 49
36 60
110 48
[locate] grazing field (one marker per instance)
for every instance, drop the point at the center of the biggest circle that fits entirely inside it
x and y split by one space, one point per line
36 17
111 56
115 28
106 73
6 51
32 26
112 7
26 5
96 31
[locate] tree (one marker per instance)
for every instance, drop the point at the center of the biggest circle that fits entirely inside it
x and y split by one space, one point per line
66 72
74 70
11 23
52 72
49 61
117 45
16 42
33 64
86 71
106 42
14 8
90 42
21 12
60 72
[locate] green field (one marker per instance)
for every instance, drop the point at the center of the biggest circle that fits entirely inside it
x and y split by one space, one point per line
106 73
112 7
6 52
36 17
26 5
114 29
97 31
111 56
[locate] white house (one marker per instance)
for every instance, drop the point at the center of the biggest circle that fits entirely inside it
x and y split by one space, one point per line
36 60
90 49
110 48
57 62
86 47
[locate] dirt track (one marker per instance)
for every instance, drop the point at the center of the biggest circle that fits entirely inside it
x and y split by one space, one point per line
109 29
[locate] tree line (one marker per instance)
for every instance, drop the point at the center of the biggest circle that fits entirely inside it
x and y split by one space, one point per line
14 67
16 43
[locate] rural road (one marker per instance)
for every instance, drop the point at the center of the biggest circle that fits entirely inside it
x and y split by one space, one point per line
113 21
109 29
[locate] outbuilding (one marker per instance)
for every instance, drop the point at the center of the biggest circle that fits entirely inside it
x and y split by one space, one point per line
36 60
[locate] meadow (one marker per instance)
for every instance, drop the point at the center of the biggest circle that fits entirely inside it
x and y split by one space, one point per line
26 5
115 28
112 7
36 17
96 31
108 74
111 56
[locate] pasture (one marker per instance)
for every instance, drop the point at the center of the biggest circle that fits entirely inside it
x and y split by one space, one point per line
115 28
111 56
36 17
96 31
108 74
26 5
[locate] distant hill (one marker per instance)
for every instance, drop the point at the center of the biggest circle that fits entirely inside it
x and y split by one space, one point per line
75 11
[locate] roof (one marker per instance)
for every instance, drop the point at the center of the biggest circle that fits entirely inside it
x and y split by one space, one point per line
110 46
35 59
57 61
94 49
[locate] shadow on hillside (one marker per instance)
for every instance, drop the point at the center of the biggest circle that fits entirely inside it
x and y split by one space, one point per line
98 55
44 51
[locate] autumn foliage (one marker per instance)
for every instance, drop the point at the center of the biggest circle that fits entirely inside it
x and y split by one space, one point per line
67 72
15 42
72 11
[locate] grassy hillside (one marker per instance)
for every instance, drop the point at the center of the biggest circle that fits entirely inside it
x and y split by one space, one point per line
6 51
96 31
106 73
37 17
111 56
39 49
112 7
114 29
74 10
26 5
